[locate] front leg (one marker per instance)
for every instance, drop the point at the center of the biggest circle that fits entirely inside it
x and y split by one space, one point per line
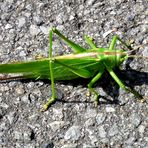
114 41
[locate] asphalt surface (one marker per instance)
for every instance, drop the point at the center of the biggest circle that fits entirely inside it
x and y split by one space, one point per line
73 121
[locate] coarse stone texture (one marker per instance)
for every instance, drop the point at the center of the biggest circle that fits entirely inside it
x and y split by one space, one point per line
73 121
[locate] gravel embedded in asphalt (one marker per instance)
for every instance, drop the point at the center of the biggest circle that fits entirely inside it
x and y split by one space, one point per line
73 121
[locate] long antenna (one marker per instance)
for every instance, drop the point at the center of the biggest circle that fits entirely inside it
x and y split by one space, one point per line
5 78
137 56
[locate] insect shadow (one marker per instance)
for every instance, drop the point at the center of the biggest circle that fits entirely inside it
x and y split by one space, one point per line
134 77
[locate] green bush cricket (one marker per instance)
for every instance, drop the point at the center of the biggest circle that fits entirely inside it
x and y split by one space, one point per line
83 63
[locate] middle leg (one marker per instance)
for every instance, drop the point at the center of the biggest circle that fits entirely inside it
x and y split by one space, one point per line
96 78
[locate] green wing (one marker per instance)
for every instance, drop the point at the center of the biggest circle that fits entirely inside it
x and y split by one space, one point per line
40 69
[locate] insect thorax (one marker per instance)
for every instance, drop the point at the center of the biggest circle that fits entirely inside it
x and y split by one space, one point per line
113 59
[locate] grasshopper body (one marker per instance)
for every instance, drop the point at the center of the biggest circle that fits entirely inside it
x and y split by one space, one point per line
89 63
83 63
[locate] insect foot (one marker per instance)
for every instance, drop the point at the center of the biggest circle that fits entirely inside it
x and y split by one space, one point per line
46 106
142 100
96 103
96 100
136 94
88 93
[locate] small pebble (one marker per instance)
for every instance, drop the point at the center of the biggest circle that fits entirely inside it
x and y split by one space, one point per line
73 133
